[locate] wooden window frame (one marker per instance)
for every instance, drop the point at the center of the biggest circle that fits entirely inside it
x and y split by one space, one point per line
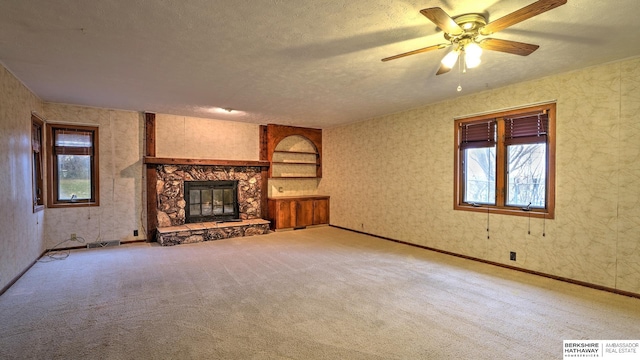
501 163
37 164
52 182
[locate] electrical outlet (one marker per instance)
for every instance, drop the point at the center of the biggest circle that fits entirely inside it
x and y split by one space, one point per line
74 237
512 256
135 232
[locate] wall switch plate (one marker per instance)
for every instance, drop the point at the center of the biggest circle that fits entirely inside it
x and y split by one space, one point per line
512 256
135 232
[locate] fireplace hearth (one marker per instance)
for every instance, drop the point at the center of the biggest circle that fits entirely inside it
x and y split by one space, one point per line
215 200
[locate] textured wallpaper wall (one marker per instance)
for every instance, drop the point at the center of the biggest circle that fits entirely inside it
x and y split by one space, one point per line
121 207
196 138
393 176
21 241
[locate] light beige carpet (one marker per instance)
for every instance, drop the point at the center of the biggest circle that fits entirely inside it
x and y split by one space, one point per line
321 293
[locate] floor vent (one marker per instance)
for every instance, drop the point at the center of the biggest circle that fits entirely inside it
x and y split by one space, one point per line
99 244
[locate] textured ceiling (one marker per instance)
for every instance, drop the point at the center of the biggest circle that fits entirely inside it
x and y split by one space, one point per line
299 62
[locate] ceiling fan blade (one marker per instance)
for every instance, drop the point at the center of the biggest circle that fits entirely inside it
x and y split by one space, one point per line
443 70
508 46
442 19
517 16
428 48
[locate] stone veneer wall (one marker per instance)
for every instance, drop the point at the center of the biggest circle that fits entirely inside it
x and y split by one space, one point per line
170 189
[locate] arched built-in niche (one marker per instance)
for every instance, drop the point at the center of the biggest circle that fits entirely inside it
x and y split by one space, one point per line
294 157
294 152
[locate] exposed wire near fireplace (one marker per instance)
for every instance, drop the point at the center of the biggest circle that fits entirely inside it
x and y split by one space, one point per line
55 254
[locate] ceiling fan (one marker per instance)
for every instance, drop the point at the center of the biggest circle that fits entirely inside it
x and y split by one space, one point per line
466 34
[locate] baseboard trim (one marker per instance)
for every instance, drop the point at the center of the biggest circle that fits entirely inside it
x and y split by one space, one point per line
15 279
533 272
85 246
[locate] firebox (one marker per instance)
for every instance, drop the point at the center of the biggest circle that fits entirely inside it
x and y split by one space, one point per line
215 200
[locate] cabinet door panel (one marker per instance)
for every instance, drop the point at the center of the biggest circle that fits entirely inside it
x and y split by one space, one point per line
304 215
321 211
286 214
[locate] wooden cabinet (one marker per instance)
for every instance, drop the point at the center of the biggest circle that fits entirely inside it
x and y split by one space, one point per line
298 212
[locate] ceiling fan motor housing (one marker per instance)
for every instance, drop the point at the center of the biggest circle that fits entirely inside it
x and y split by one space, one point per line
470 24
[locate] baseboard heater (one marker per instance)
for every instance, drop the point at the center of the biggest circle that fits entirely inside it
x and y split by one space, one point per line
99 244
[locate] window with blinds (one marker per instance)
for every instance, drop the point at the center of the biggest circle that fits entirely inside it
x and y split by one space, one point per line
37 163
478 143
505 162
526 144
73 169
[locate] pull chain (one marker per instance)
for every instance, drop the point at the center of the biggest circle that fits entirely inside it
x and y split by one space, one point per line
487 222
459 74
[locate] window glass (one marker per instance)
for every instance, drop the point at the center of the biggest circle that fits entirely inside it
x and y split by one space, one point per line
527 175
480 175
74 177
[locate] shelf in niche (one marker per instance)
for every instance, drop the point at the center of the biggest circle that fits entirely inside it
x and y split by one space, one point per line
293 177
295 163
295 152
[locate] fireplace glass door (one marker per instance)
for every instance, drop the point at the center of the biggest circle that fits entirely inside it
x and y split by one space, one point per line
211 201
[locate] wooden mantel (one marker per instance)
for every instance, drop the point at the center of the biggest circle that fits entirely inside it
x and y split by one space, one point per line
152 160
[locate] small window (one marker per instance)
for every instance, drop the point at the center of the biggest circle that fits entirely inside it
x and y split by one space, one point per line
37 169
505 162
73 165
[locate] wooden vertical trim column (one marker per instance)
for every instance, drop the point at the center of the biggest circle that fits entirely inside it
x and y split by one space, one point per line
151 176
264 155
150 134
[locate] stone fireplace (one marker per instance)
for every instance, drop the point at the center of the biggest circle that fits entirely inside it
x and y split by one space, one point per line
196 203
172 204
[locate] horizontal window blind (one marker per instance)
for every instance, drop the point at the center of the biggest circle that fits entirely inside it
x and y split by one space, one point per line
530 128
73 142
479 134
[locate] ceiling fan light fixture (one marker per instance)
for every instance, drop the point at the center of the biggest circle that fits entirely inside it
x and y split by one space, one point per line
473 49
450 59
471 61
472 53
